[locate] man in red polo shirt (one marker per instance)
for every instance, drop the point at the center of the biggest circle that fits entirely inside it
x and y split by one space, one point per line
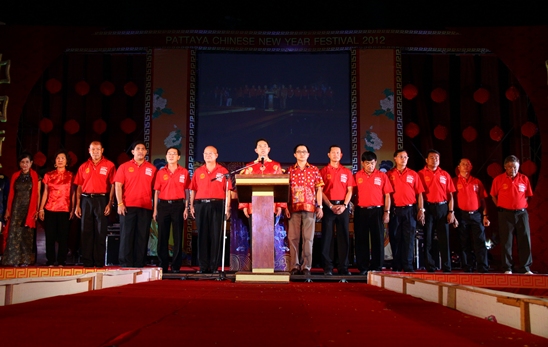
439 189
94 197
170 209
209 204
510 192
134 181
337 192
372 212
305 204
470 197
407 208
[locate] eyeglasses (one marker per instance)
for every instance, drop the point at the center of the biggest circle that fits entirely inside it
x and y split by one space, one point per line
301 152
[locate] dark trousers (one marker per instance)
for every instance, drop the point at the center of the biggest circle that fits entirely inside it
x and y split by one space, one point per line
56 225
436 221
93 230
472 236
517 222
170 219
209 218
401 230
341 222
368 223
134 233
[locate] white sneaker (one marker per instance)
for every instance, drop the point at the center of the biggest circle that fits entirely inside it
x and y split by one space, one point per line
508 272
529 273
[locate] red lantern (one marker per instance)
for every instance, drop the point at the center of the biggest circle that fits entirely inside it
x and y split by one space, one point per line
438 95
53 86
46 125
39 159
440 132
122 158
496 133
512 93
481 95
130 89
529 129
128 125
411 129
72 127
469 134
73 158
99 126
107 88
528 168
81 88
494 169
410 92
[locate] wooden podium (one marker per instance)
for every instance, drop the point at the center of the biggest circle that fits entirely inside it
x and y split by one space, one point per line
262 191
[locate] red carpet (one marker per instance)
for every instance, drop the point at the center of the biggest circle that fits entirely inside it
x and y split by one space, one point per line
208 313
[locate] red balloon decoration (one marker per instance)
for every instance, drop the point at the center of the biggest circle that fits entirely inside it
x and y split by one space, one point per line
53 85
72 127
528 168
107 88
410 92
122 158
411 129
494 169
99 126
39 159
512 93
469 134
46 125
73 158
438 95
481 95
529 129
128 125
130 89
440 132
496 133
81 88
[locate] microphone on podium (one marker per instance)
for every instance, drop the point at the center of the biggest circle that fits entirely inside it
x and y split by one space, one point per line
262 161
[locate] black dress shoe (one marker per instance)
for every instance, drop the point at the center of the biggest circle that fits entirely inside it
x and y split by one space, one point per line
175 271
431 270
306 272
408 270
199 272
344 273
295 271
363 273
215 272
328 273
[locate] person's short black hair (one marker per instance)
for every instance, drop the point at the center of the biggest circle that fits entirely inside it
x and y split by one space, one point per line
175 148
259 140
398 151
24 155
432 151
138 142
334 146
65 152
299 145
369 156
511 159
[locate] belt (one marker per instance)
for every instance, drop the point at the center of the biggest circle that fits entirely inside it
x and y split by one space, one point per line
404 206
470 212
172 201
513 211
437 203
207 201
369 207
337 202
94 195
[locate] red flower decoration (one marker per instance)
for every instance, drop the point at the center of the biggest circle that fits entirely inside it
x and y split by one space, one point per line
53 86
73 158
46 125
494 169
81 88
411 129
496 133
107 88
528 168
512 93
39 159
469 134
128 125
99 126
122 158
72 127
529 129
410 92
440 132
130 89
438 95
481 95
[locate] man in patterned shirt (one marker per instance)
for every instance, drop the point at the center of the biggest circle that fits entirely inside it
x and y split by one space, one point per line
305 204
